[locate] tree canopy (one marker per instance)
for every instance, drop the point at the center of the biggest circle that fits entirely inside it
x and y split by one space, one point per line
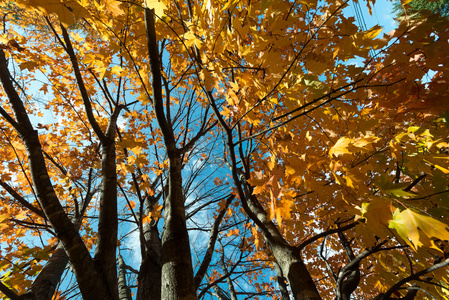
213 149
440 7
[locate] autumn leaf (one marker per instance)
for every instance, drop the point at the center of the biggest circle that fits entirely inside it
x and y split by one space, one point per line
132 204
29 65
67 11
233 232
340 147
158 6
409 225
377 212
113 6
372 32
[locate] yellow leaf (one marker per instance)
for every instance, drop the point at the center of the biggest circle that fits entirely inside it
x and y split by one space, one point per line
365 141
233 232
117 70
435 161
191 39
146 219
373 32
272 162
29 65
208 79
4 217
340 147
259 189
158 6
114 7
408 222
67 11
350 180
377 212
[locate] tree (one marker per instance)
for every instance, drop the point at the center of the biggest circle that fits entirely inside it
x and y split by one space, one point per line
304 148
440 7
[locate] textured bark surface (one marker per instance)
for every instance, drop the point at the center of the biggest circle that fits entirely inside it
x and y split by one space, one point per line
281 282
149 277
45 284
294 269
177 271
289 259
105 251
124 292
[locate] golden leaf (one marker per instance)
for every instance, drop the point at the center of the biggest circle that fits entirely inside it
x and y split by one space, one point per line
408 222
340 147
158 6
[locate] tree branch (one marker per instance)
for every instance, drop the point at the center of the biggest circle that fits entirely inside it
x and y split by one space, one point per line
21 200
155 68
324 234
415 276
9 293
211 245
79 79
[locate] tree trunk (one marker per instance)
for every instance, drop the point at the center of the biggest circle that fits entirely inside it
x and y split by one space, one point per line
106 246
294 269
281 282
45 283
149 277
177 271
124 292
289 260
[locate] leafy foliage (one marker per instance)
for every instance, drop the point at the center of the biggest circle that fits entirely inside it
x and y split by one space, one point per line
440 7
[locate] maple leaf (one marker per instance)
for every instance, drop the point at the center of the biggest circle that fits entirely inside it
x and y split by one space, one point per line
113 6
340 147
68 11
158 6
372 32
409 224
132 204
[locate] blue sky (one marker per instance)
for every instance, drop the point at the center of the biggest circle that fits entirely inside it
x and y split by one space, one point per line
381 14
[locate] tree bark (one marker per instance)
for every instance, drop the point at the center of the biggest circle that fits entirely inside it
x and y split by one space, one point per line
105 251
294 269
288 258
150 272
281 282
45 283
124 290
177 271
106 246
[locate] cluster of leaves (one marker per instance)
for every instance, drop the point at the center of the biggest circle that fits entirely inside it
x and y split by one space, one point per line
309 155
